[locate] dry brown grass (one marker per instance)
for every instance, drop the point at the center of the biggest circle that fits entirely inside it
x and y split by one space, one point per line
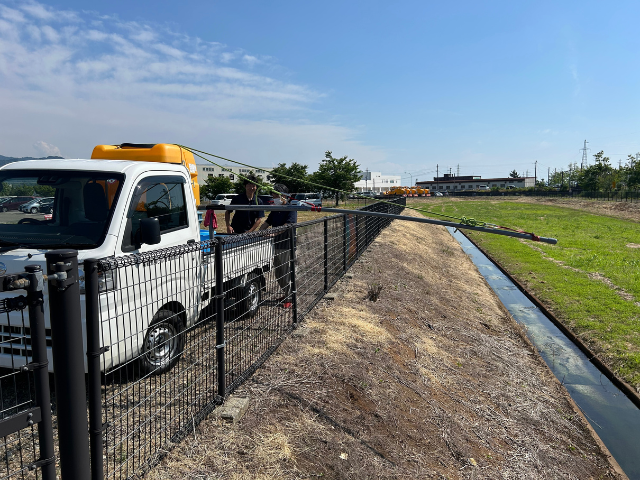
434 380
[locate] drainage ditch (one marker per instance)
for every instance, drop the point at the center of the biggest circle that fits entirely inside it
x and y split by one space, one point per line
611 413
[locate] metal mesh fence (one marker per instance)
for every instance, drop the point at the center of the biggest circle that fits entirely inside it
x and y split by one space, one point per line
18 450
182 327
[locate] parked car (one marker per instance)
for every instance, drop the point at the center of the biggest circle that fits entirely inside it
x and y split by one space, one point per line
35 205
437 194
46 205
223 199
14 203
307 199
266 199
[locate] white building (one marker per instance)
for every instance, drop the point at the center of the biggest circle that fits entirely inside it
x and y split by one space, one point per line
230 171
448 183
376 182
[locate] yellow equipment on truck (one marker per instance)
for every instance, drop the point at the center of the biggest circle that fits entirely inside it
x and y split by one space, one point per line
160 152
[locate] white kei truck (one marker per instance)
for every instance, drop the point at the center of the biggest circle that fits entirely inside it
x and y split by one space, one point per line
102 208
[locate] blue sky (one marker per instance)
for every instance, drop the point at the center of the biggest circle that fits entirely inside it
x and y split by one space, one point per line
399 86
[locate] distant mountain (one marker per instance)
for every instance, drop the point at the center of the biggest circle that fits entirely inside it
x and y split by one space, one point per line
4 160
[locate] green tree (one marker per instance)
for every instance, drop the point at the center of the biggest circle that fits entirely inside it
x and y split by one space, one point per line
238 185
216 185
598 176
295 177
336 173
514 174
633 173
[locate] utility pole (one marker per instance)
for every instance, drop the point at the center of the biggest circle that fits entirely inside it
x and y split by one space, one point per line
585 159
548 175
535 174
411 176
437 178
366 178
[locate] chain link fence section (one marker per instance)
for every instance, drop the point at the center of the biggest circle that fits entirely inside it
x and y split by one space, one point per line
176 330
20 449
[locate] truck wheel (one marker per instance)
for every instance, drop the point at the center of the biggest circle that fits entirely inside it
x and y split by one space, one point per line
163 343
251 296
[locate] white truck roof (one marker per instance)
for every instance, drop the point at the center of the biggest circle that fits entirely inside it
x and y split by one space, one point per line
116 166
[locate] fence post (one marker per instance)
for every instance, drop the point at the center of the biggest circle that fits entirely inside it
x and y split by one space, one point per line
94 351
220 346
35 301
326 254
344 243
68 363
292 268
357 235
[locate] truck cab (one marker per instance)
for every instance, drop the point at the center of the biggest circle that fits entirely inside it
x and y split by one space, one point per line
101 208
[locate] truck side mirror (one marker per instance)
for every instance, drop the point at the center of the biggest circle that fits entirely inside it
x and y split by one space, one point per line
150 231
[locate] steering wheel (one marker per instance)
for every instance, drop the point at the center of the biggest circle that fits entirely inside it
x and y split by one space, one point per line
34 221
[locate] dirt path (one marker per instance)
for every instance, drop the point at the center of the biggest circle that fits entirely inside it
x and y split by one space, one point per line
434 380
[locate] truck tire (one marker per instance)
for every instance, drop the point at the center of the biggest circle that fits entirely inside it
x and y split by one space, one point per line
163 343
251 296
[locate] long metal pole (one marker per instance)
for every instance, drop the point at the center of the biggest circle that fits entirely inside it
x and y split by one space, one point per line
365 213
68 364
41 372
93 367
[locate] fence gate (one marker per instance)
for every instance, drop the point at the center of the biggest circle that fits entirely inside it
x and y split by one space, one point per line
24 389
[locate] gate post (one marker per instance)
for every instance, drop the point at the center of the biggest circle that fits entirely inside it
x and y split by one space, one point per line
220 346
35 301
93 363
68 363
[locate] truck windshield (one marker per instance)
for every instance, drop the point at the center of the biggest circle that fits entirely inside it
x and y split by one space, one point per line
56 209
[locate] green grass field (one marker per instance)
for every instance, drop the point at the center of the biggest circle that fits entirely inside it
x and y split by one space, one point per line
590 280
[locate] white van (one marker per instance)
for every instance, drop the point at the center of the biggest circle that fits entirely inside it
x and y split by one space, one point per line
223 199
307 199
483 187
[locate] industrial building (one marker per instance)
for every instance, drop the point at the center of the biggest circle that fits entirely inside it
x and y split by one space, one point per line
376 182
449 182
209 170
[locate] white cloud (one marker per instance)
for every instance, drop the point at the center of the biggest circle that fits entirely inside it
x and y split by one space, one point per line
250 60
79 79
11 15
46 149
